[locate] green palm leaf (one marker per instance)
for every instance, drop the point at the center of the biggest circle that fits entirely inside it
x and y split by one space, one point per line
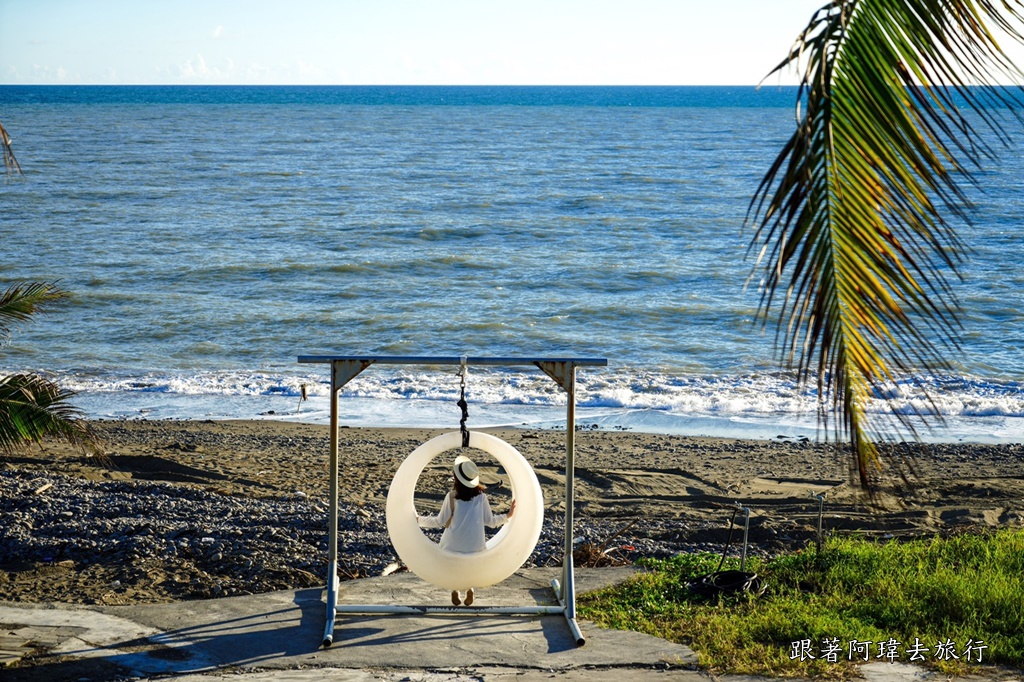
10 163
853 219
21 301
32 407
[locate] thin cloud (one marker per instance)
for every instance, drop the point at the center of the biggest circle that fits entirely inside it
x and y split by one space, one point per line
198 70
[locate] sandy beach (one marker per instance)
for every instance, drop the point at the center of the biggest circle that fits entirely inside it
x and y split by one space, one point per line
683 489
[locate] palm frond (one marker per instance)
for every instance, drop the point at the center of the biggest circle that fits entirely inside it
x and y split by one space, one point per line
11 166
32 407
855 219
21 301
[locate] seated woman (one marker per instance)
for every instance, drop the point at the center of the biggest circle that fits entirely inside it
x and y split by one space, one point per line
464 513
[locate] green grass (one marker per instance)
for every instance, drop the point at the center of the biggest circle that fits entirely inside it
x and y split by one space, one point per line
966 587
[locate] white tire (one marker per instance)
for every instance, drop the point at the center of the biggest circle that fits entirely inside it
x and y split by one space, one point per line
505 552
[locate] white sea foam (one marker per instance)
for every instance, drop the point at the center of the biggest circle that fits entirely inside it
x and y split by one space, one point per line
616 398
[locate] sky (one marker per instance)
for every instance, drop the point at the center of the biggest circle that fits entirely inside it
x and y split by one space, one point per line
398 42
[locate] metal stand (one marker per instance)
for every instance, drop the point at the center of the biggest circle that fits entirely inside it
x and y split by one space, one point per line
344 368
821 512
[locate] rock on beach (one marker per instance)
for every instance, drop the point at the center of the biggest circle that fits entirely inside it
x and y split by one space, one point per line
184 510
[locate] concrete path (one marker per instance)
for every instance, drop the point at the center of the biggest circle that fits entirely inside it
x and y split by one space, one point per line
276 637
283 631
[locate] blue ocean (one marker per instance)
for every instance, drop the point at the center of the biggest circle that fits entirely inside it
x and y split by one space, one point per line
211 235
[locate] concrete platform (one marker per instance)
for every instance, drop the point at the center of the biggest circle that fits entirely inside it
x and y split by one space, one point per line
284 630
276 637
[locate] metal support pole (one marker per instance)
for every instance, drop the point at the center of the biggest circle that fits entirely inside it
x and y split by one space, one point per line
332 518
821 511
746 530
342 372
564 374
568 568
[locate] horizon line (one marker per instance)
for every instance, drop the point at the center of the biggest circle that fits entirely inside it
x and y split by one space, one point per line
382 85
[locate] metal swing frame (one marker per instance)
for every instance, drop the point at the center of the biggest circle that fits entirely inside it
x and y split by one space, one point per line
561 370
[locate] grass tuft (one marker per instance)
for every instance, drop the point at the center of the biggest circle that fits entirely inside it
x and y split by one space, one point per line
967 589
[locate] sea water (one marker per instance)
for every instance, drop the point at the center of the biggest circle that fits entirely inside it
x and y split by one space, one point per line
210 236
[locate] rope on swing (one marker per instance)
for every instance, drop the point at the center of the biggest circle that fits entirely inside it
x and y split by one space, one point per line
463 405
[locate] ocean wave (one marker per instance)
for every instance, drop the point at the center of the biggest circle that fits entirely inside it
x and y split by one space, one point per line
754 395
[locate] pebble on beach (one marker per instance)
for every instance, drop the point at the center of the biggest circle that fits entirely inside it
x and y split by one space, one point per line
184 510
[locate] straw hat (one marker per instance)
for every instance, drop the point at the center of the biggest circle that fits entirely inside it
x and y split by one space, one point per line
466 471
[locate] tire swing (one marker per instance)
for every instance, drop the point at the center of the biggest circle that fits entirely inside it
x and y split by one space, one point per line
504 553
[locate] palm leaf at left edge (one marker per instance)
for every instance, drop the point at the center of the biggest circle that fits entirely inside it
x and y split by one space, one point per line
32 407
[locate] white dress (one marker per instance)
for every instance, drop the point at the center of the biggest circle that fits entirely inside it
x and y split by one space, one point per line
466 532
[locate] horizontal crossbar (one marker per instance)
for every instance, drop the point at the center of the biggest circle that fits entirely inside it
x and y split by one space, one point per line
448 360
452 610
